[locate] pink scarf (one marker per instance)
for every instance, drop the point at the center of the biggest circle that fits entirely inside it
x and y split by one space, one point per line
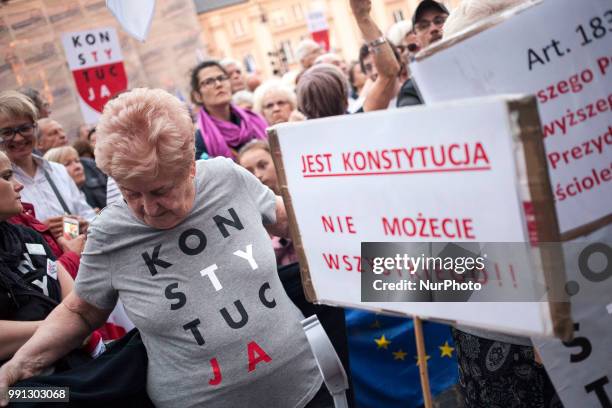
219 135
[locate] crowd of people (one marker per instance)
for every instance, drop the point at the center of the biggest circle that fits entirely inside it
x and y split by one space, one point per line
179 216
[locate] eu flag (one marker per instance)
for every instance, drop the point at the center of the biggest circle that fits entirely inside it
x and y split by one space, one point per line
383 359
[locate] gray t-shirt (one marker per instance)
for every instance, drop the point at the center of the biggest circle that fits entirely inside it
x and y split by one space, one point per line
217 324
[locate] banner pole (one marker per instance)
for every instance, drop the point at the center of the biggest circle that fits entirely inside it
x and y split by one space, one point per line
422 359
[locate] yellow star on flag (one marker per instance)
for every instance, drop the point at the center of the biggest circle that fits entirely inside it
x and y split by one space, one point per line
399 355
427 357
446 350
382 342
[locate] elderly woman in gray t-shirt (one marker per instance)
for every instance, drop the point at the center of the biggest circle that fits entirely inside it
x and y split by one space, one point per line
188 255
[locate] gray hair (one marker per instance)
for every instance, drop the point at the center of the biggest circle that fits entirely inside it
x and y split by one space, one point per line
15 104
59 154
242 96
225 62
271 86
304 48
328 58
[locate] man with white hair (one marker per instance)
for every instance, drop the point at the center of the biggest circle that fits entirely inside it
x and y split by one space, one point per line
234 72
307 52
334 59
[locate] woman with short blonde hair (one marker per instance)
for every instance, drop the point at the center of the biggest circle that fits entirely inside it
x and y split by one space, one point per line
60 154
47 186
91 184
15 104
147 133
188 253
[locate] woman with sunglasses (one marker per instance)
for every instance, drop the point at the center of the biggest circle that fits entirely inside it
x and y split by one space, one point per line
223 128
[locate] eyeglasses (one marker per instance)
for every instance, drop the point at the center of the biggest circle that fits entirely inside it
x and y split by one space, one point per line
270 106
208 82
423 25
8 134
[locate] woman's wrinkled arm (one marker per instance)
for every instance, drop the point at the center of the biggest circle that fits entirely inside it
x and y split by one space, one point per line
62 331
14 334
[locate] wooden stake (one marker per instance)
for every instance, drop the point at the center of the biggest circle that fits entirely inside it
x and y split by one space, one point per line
422 359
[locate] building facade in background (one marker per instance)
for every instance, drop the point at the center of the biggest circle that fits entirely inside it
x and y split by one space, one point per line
260 32
31 52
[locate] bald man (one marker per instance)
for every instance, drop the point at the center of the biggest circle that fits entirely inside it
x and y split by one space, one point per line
50 134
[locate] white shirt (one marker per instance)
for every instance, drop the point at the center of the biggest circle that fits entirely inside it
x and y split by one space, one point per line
38 191
112 191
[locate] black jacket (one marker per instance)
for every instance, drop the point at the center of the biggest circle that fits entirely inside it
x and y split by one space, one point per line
408 95
95 184
29 288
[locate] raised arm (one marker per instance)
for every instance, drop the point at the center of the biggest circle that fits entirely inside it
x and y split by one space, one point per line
385 87
62 331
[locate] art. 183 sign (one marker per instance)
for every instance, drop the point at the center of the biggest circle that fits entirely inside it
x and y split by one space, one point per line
95 59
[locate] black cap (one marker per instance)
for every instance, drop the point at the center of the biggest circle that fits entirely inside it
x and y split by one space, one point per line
426 5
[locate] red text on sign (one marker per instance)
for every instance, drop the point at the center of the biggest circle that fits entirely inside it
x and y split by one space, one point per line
316 163
432 227
340 224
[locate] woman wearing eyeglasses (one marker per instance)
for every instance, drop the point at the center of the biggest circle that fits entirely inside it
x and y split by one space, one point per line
275 101
223 128
47 186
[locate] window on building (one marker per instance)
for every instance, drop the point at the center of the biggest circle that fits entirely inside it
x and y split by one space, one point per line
298 12
278 17
398 15
249 63
238 28
287 50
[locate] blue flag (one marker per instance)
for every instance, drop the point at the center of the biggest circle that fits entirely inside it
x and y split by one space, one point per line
383 359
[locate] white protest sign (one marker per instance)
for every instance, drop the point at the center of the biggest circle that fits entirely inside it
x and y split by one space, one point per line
318 27
558 50
456 171
95 59
581 370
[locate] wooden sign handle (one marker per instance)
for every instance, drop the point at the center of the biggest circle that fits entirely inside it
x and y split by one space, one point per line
422 359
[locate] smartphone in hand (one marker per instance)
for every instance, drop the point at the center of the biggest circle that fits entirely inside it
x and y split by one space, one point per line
71 228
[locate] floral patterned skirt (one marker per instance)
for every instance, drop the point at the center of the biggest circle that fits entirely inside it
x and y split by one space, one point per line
493 374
